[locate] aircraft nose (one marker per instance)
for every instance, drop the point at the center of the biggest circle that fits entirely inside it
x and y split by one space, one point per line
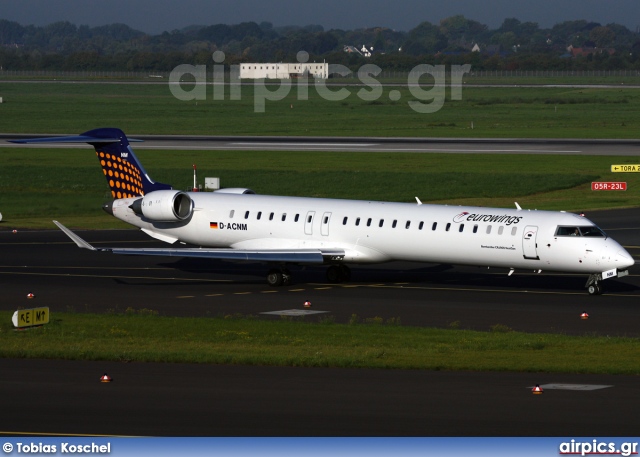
624 259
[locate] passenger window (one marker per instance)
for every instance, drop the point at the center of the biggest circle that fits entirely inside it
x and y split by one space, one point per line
513 231
295 219
421 225
246 215
433 227
395 222
326 219
500 230
284 216
369 222
309 219
475 228
488 229
407 225
231 213
259 215
357 221
271 216
461 228
381 223
448 226
344 221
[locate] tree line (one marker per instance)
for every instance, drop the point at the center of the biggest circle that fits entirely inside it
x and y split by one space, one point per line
515 45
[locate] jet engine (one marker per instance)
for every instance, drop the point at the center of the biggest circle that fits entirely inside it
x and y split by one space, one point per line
164 206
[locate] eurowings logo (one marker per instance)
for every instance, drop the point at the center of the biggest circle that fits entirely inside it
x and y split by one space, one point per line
500 219
460 217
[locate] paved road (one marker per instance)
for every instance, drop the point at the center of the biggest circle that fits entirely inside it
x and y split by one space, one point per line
200 400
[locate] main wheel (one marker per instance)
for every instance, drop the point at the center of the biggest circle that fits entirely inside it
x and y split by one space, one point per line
345 273
286 277
333 273
275 278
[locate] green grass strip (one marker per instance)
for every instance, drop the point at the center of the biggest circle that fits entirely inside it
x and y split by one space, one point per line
143 336
38 185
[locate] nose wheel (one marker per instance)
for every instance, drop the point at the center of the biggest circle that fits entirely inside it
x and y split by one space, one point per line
594 289
593 285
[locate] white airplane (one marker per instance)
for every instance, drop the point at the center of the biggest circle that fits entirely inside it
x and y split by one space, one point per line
236 224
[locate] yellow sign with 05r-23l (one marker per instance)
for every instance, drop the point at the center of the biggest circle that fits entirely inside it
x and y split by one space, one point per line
626 168
30 317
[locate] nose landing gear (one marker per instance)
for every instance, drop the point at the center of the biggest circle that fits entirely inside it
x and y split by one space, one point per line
593 284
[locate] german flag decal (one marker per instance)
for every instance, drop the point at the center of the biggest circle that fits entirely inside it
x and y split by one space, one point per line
213 225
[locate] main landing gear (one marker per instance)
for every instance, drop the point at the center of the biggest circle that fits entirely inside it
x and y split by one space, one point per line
338 273
279 277
282 276
593 284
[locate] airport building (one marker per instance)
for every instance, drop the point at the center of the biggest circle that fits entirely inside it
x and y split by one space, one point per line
284 70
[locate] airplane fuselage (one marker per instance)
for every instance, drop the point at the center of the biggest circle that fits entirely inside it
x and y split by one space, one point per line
373 232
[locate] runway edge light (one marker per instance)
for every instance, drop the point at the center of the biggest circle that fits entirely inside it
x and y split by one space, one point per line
584 316
537 390
105 378
307 304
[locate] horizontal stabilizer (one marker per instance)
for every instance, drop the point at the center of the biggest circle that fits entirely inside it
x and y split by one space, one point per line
71 139
75 238
308 256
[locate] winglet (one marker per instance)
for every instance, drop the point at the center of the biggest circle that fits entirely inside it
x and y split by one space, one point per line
75 238
419 202
518 206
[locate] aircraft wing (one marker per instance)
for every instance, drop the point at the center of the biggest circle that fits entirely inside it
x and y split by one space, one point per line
309 256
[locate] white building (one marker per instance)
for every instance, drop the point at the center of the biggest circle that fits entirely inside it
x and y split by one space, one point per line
284 70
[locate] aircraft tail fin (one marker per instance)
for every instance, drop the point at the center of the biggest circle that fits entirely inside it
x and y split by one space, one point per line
125 175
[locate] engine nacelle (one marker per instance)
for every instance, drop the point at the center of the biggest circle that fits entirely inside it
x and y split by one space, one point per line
164 206
234 190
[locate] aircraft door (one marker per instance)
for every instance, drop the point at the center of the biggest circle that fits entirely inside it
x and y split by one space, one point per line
308 223
529 246
324 224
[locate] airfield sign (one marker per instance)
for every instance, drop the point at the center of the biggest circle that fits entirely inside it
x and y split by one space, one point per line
30 317
626 168
608 186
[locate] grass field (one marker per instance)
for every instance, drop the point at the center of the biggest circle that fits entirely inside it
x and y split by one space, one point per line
38 185
140 335
482 112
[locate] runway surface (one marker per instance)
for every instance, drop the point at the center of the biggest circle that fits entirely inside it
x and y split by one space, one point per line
43 397
340 144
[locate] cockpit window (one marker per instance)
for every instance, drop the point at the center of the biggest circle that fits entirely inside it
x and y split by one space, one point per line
587 230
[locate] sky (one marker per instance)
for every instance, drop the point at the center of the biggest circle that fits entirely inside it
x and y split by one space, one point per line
156 16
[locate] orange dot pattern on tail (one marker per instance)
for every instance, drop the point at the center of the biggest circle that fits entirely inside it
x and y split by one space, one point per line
124 180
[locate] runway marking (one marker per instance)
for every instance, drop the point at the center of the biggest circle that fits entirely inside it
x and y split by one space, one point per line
465 289
357 145
296 290
323 288
242 293
67 275
269 292
213 295
559 386
186 296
